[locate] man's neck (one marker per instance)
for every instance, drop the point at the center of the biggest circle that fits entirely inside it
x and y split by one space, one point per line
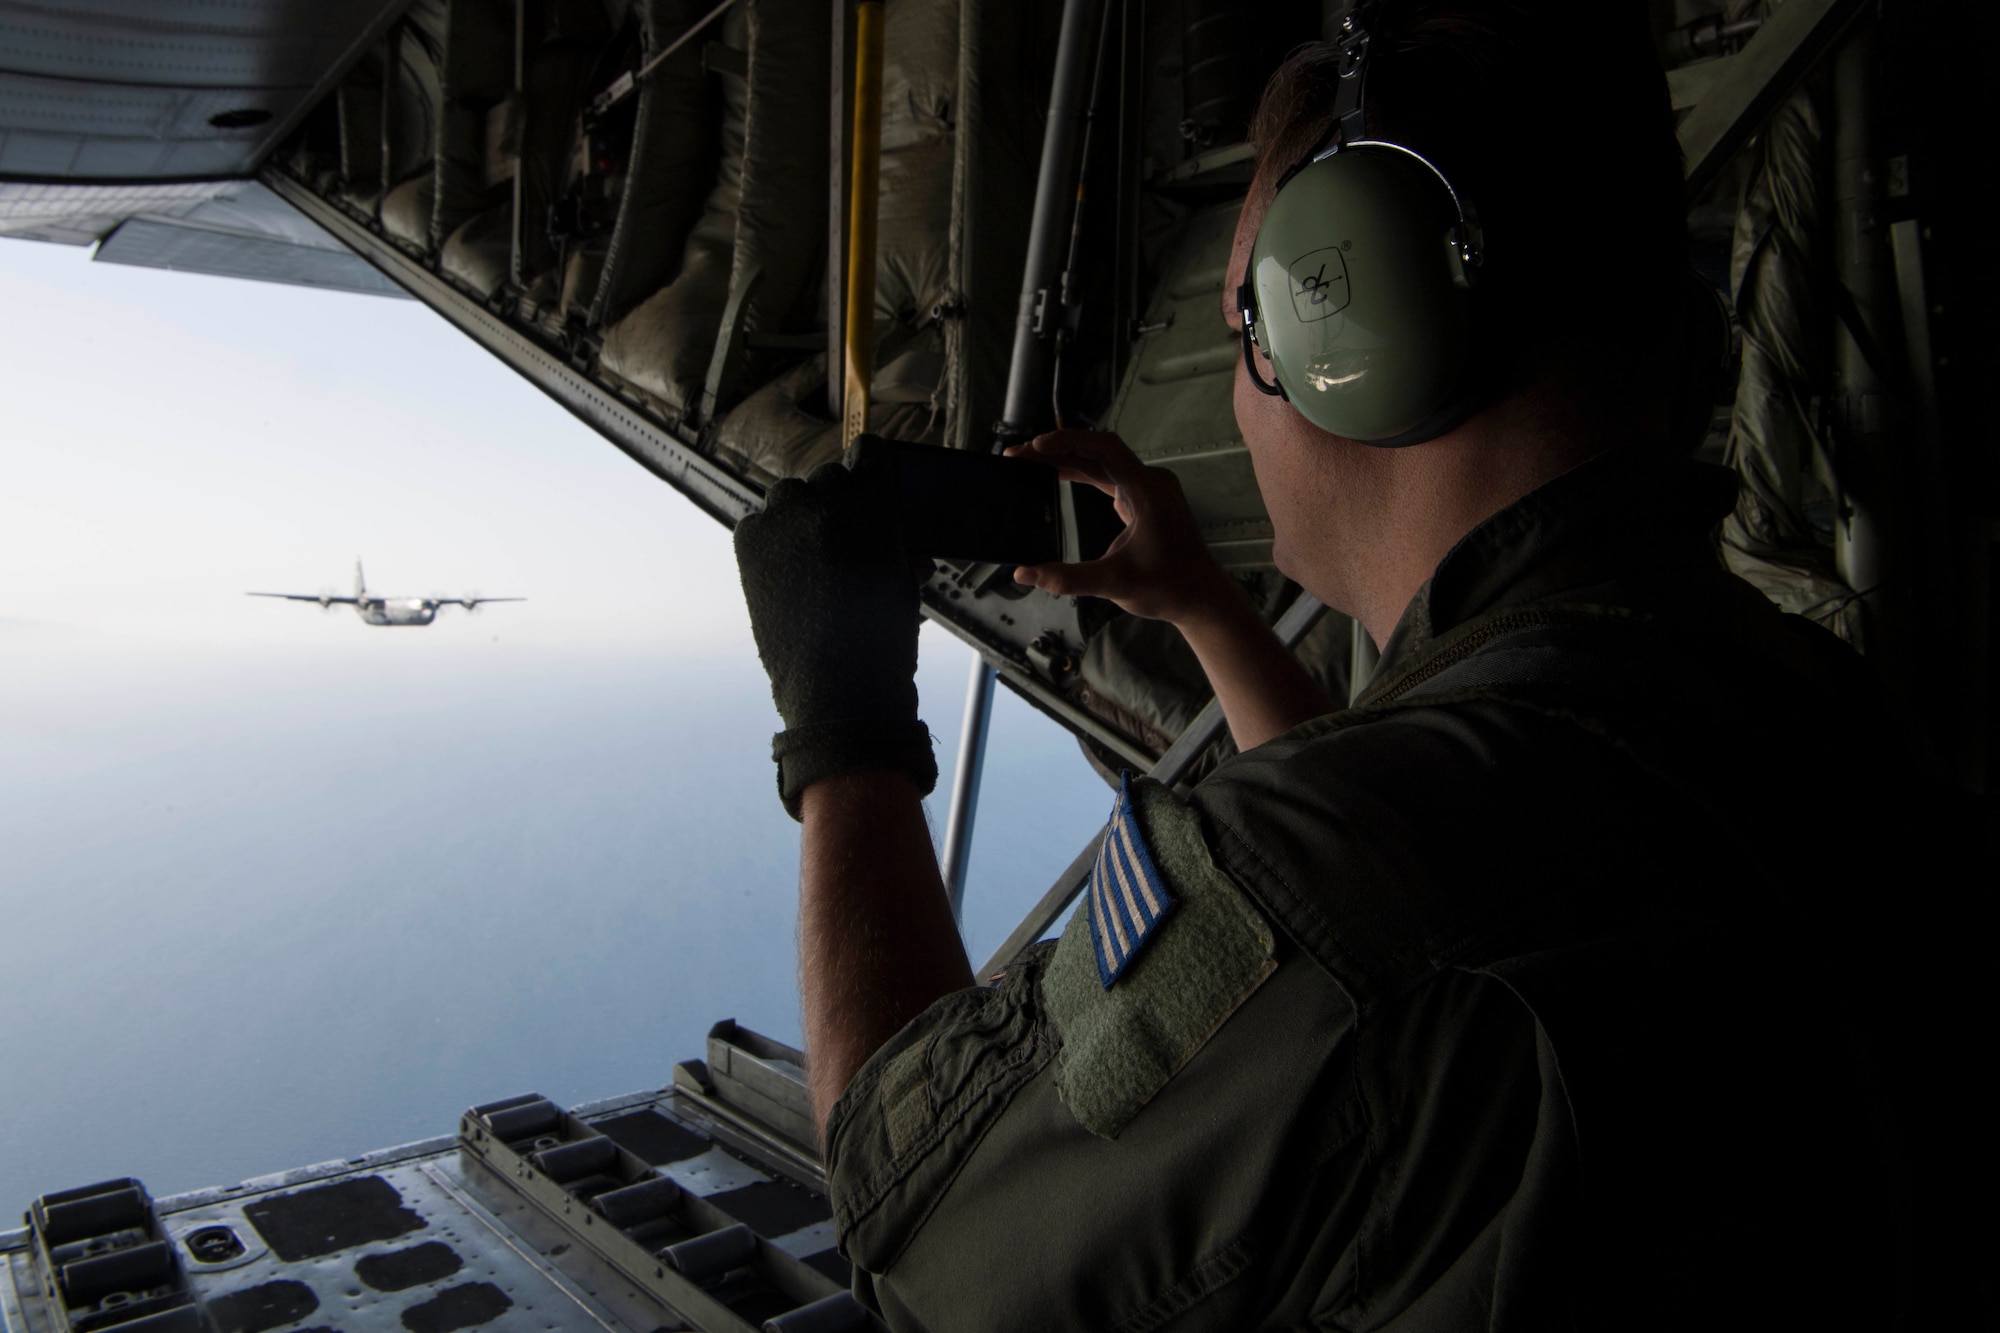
1406 508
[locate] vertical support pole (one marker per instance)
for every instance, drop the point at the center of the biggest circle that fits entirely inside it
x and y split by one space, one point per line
839 167
1028 403
1126 311
956 858
862 208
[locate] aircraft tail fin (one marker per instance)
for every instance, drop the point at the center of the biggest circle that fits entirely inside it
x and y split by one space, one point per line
360 584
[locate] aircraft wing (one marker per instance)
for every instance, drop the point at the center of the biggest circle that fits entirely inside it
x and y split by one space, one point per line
469 602
306 597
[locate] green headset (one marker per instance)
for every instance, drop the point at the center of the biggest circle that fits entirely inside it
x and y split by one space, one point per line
1359 287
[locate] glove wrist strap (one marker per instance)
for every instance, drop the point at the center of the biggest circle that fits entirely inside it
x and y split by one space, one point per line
821 750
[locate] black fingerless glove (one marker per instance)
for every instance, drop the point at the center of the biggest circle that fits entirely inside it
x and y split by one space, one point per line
833 606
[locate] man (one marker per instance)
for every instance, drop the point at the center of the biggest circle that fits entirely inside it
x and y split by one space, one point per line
1502 1000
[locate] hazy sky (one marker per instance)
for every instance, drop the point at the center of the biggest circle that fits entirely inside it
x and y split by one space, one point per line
171 441
546 836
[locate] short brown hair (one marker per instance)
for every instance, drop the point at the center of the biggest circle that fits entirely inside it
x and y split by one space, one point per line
1552 117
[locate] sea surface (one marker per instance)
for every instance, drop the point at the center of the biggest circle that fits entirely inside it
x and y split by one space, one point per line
267 906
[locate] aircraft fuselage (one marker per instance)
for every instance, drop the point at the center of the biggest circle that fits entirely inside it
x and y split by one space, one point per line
396 610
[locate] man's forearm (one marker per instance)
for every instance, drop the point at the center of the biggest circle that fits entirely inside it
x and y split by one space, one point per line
1263 689
877 943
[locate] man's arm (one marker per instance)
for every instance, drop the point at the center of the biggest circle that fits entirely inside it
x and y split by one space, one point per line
877 944
1263 689
832 596
1159 569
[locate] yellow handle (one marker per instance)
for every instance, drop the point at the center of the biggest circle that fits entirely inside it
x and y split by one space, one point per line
861 212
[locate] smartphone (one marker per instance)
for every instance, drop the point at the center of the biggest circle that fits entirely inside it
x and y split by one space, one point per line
961 505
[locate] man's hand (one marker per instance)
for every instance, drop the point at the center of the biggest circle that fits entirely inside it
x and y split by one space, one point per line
833 607
1157 567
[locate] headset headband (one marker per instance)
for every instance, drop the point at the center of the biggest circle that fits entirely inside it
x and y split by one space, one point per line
1350 106
1349 125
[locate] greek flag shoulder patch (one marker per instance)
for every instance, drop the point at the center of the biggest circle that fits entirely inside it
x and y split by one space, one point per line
1128 895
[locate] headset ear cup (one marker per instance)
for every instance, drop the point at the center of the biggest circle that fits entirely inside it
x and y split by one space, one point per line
1366 324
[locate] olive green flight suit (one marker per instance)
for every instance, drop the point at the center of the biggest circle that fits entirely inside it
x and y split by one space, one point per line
1508 999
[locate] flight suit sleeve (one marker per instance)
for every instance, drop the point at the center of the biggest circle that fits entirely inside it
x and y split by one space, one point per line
1113 1136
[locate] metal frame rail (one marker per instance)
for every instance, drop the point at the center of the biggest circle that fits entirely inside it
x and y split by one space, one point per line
653 446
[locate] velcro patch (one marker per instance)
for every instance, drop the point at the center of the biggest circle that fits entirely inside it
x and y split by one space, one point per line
1121 1044
1128 896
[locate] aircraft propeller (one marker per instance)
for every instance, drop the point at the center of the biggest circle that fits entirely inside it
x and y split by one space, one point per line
326 596
471 602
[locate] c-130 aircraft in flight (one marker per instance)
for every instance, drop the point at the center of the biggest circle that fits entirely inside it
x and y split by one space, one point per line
387 610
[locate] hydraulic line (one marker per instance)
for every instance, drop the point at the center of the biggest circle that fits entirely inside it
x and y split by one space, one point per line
1028 369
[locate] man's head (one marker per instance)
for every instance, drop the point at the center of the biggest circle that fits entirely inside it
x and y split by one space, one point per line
1551 118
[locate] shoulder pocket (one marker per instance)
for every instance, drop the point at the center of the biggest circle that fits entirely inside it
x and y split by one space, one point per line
1163 950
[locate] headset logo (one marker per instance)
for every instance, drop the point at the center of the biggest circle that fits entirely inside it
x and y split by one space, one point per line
1319 284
